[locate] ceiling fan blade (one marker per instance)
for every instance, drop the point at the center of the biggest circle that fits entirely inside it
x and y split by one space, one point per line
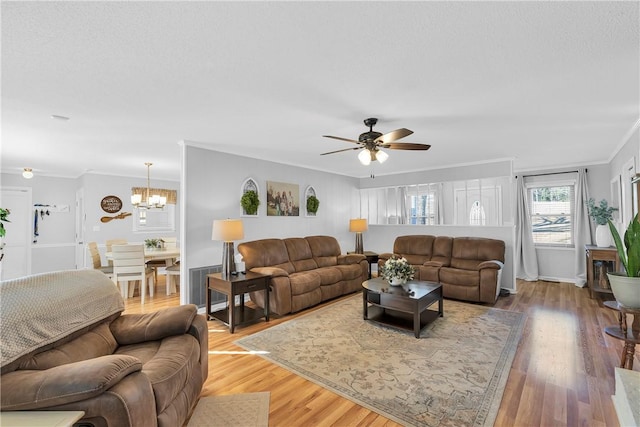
341 139
340 151
394 135
404 146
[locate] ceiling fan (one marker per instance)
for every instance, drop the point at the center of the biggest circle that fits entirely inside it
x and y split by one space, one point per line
371 143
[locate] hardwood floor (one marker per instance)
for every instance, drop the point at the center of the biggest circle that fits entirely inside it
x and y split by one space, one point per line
562 374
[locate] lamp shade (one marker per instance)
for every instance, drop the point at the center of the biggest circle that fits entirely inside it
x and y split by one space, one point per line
381 156
227 230
358 225
365 157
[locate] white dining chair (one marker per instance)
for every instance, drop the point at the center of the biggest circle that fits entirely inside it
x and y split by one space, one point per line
109 244
129 266
97 260
172 277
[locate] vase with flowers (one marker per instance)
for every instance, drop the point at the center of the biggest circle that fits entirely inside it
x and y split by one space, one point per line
601 214
397 271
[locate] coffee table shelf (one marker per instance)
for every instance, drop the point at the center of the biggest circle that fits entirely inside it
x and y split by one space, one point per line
406 307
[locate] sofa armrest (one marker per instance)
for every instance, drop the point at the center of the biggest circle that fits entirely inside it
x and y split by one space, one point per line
494 264
272 271
72 382
351 259
385 256
200 330
137 328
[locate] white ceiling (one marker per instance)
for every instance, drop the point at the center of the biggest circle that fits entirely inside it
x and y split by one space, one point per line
549 84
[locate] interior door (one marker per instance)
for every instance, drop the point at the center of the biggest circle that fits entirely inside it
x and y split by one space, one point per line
17 249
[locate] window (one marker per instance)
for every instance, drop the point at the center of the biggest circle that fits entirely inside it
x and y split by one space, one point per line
477 215
552 209
423 204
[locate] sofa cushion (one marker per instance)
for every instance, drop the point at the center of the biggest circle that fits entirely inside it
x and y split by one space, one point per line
457 276
168 363
469 252
325 250
419 245
329 275
350 272
95 343
300 254
304 282
266 253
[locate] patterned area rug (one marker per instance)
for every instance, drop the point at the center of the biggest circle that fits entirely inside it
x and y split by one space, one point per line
454 375
234 410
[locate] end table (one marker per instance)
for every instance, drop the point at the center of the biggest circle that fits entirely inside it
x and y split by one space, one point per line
233 286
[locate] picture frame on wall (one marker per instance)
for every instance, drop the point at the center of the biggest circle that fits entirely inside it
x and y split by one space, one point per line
283 199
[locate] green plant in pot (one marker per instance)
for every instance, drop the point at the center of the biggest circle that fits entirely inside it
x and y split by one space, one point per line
601 214
312 204
4 213
250 202
626 285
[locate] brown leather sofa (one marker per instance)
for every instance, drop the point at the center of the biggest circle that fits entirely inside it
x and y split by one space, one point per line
305 271
468 268
66 346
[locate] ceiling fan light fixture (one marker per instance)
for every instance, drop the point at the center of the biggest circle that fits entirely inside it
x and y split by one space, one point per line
381 156
365 157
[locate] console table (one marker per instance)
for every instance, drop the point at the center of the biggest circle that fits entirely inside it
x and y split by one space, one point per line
599 262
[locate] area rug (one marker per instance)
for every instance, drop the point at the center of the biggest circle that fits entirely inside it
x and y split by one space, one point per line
453 375
234 410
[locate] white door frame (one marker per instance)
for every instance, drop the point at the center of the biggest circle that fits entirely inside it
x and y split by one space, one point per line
23 210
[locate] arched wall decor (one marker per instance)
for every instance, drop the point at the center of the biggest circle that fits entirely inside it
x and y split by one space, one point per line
309 191
250 184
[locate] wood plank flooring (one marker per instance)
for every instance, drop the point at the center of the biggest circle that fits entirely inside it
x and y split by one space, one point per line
562 374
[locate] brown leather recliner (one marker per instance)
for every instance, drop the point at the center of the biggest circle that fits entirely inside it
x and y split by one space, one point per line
67 346
304 271
468 268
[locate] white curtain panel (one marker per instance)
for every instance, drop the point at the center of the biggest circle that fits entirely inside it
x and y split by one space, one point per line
527 260
581 228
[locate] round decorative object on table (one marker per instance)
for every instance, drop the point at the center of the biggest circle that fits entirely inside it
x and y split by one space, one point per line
397 281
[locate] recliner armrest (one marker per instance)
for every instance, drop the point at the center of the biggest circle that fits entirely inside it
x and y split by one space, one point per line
72 382
351 259
136 328
494 264
272 271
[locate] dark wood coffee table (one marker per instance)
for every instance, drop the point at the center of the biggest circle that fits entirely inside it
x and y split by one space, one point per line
402 306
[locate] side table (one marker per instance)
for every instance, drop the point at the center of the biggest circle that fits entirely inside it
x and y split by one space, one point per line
233 286
630 336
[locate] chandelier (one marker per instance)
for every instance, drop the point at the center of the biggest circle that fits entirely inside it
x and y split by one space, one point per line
150 201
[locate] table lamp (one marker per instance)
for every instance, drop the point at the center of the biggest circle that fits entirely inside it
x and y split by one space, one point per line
358 225
227 230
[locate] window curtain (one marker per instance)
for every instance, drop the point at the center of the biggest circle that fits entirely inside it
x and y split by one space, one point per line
440 204
171 195
581 228
525 249
404 214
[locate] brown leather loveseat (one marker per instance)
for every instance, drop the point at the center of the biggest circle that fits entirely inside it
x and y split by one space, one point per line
66 346
305 271
468 268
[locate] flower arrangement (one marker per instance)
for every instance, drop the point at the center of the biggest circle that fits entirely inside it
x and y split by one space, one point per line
152 243
396 267
602 213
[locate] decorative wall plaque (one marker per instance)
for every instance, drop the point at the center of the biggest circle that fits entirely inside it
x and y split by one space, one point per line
111 204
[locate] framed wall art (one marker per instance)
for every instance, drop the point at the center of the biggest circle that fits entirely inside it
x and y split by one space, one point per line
283 199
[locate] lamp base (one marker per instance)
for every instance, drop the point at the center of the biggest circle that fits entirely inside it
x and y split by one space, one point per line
228 263
359 245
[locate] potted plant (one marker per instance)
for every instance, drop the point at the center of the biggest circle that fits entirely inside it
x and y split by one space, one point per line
250 202
626 285
397 271
312 204
601 214
152 243
4 213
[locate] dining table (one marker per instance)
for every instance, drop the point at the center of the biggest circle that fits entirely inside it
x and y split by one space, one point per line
169 255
